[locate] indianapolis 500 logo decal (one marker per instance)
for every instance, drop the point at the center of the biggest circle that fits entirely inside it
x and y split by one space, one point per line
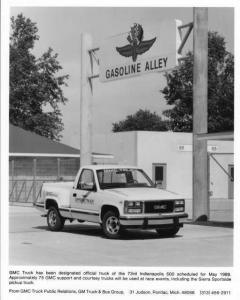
137 46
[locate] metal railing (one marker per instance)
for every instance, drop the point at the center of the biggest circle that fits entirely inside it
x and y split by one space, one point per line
28 190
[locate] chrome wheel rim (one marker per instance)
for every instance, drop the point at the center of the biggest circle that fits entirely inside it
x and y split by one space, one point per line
52 218
112 225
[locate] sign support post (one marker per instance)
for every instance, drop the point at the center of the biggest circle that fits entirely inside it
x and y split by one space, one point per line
86 102
200 113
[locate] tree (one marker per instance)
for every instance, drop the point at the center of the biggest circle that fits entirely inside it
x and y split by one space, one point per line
34 83
141 120
178 91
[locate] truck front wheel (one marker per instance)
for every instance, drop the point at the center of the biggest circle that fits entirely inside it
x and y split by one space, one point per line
54 220
111 225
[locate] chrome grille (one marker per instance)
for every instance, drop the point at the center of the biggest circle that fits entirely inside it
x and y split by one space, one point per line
159 206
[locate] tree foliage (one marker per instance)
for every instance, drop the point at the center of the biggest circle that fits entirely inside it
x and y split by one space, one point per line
179 89
141 120
34 83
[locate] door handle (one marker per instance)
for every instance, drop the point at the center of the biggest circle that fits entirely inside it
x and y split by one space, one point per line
74 194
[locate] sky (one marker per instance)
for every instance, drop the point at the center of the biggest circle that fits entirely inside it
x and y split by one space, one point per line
60 28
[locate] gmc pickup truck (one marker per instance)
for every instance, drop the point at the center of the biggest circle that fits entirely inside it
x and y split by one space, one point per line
117 197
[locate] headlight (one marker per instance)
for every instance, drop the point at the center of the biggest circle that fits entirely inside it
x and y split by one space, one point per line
179 205
133 207
178 209
179 202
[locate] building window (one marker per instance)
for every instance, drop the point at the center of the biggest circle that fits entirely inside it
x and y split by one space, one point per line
160 174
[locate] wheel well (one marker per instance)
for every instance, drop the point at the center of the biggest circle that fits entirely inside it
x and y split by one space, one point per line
106 208
51 202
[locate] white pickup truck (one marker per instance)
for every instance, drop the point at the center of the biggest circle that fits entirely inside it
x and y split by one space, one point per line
117 197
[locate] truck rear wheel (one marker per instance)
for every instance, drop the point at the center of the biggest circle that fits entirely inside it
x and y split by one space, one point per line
54 220
168 231
111 225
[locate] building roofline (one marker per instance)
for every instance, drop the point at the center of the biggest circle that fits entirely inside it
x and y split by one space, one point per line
220 136
24 143
94 155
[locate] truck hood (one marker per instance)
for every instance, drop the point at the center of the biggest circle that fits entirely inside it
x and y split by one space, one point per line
144 194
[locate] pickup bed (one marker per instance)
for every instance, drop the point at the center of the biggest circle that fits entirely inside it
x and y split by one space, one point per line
116 197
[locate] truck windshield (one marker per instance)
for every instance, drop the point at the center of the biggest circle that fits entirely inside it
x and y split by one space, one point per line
123 178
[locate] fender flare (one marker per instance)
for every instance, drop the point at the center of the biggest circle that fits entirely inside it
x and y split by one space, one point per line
105 208
53 199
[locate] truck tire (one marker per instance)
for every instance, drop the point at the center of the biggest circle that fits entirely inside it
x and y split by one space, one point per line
54 220
168 231
111 225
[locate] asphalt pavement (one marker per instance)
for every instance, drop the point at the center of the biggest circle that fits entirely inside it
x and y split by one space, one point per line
31 243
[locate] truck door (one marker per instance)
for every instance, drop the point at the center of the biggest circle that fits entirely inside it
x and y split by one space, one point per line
84 205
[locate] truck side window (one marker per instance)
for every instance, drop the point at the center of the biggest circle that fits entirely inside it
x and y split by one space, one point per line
86 180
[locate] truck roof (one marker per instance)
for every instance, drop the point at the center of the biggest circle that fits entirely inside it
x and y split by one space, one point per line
98 167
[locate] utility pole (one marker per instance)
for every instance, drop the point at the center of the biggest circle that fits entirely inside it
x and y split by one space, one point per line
200 114
86 102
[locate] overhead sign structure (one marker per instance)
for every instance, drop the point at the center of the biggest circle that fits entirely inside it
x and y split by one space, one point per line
140 51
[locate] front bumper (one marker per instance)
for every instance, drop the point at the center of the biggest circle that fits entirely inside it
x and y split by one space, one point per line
154 221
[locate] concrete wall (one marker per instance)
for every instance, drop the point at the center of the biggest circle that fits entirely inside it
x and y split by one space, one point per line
162 147
143 148
219 181
122 145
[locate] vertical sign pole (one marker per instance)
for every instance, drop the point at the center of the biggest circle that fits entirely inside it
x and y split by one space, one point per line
200 110
12 178
86 102
58 168
208 185
34 180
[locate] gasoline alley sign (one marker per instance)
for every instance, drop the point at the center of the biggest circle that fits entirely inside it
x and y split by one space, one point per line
140 51
157 64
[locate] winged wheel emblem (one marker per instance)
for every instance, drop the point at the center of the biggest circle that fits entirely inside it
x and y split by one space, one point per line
136 44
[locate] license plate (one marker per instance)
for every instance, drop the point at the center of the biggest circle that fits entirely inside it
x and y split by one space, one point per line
160 222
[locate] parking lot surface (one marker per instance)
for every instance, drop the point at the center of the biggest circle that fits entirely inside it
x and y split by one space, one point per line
31 243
